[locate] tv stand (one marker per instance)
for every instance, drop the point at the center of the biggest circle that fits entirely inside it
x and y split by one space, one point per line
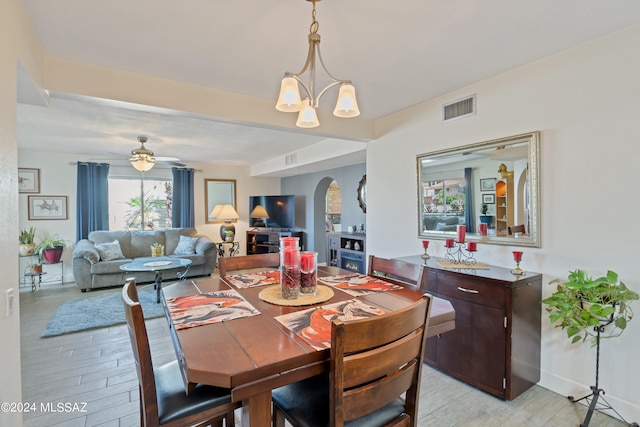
268 240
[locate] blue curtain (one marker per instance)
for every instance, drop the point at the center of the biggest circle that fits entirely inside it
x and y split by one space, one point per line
182 214
92 206
468 202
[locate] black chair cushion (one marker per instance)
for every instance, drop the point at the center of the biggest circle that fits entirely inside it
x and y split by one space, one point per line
173 402
306 404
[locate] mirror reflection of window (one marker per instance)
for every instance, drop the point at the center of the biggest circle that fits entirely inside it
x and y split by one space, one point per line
334 209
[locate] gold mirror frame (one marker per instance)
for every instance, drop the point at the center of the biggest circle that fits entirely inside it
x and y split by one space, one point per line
469 156
218 192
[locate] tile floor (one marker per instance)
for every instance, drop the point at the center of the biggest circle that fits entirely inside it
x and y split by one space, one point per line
96 367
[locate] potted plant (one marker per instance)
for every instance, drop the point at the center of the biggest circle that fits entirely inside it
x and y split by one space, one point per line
229 235
581 305
27 244
35 268
484 218
157 249
50 249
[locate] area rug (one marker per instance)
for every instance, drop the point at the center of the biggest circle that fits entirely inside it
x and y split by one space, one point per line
99 312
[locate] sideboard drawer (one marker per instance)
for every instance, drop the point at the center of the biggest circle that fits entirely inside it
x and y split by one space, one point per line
473 290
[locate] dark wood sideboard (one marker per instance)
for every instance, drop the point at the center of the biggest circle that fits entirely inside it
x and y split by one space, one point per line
496 342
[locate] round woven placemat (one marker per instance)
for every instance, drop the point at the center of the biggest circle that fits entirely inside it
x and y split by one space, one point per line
272 295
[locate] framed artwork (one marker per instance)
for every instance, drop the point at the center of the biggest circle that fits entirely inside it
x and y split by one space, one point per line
488 184
488 199
47 207
28 180
218 192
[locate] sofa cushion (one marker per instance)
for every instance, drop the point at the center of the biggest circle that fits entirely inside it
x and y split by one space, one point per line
141 242
172 236
186 246
109 267
109 251
124 237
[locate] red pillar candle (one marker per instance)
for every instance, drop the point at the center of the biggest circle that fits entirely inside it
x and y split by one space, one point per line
290 256
462 230
307 261
517 256
448 243
425 244
482 229
289 242
471 246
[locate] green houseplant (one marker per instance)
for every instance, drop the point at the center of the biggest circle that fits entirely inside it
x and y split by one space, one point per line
50 249
582 304
26 238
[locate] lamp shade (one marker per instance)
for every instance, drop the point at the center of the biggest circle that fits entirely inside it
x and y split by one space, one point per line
307 117
289 99
259 212
226 212
347 106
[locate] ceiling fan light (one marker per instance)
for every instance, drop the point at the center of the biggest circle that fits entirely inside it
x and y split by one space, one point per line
347 106
143 164
289 98
307 117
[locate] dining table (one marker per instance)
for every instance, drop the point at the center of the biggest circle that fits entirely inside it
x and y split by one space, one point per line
253 354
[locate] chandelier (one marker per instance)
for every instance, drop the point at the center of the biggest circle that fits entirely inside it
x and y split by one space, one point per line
142 159
289 100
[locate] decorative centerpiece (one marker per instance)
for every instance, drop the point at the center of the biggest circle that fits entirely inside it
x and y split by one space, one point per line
459 252
308 273
289 268
157 249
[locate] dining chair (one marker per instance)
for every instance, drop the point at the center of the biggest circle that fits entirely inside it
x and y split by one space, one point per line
404 273
513 229
269 260
163 399
374 374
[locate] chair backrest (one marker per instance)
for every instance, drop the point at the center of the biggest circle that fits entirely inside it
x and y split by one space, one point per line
270 260
377 359
141 354
404 273
516 229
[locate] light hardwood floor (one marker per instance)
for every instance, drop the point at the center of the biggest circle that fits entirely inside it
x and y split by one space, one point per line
96 367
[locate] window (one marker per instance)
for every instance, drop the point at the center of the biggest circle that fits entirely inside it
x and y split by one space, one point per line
127 196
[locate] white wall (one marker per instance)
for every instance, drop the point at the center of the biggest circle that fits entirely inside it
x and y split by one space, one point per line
585 104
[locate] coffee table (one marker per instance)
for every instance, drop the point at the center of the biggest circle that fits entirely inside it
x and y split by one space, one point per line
158 265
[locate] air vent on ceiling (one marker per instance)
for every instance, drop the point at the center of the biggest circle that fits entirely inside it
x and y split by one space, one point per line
460 108
291 159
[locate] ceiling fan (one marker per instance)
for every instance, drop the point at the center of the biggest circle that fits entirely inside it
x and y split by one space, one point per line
144 159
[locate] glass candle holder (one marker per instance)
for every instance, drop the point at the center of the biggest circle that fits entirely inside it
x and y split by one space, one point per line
308 273
289 242
425 246
517 257
289 272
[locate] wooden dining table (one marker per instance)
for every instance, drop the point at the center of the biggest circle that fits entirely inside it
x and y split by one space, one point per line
254 355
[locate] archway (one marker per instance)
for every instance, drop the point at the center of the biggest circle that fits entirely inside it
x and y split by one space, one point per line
319 219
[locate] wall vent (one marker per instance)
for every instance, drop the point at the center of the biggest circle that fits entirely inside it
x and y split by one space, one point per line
291 159
460 108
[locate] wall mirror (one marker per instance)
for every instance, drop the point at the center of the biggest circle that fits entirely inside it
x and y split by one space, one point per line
218 192
490 187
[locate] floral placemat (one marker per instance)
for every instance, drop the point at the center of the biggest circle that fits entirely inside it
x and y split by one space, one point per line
314 325
249 280
450 264
204 309
357 284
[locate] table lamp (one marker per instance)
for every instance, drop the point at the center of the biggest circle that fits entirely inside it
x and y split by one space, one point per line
226 213
260 213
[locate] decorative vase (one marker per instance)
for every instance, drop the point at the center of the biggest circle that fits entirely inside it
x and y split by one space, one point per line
26 249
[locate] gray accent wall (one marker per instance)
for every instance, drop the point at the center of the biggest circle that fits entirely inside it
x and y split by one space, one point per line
310 191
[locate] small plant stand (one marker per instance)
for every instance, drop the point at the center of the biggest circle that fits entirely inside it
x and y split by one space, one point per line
596 392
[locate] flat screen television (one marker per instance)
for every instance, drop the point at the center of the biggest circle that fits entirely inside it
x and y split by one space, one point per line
281 210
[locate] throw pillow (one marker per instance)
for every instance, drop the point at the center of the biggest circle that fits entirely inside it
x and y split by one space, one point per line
440 226
109 251
186 246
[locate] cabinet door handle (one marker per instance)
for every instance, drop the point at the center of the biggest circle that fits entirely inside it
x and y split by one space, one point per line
469 291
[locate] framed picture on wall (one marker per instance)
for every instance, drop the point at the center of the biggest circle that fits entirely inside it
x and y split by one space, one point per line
488 199
47 207
28 180
488 184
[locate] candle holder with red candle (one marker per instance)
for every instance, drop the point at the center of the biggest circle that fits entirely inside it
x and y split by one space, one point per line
517 257
308 273
289 271
425 245
459 252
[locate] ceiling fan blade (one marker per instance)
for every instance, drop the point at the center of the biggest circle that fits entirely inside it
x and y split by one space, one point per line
171 162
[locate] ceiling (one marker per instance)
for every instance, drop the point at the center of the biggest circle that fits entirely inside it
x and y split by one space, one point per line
397 54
